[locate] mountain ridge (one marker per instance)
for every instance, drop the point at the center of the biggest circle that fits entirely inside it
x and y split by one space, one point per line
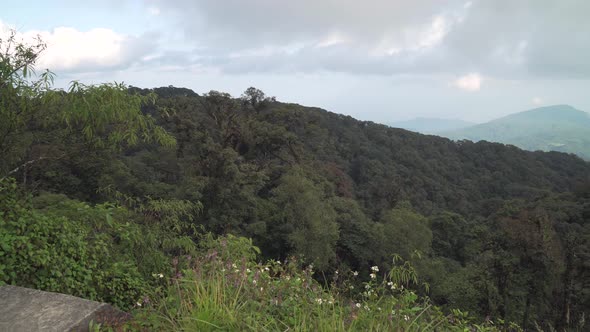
561 128
431 125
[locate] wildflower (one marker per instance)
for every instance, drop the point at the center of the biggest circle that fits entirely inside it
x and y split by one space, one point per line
367 286
161 275
254 281
367 308
248 270
373 275
379 308
358 305
234 265
330 301
390 283
406 318
236 270
261 289
138 304
223 269
375 268
319 301
336 271
355 273
266 268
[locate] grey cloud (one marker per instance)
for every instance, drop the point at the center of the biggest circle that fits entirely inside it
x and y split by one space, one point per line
531 38
500 38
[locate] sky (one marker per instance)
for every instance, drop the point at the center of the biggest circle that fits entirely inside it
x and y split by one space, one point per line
377 60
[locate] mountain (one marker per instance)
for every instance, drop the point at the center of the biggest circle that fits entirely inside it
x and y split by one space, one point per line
553 128
431 125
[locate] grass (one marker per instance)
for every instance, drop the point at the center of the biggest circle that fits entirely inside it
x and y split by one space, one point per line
226 289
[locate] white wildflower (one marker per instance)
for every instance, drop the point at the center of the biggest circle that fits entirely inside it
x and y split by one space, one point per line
375 268
358 305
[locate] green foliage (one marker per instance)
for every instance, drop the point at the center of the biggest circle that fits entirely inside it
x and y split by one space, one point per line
218 292
70 247
104 115
404 231
305 219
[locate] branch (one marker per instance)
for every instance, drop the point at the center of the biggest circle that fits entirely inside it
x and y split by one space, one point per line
27 164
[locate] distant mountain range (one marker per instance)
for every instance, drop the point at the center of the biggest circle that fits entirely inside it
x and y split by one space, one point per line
431 125
552 128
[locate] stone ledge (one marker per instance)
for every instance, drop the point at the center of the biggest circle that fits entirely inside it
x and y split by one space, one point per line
28 310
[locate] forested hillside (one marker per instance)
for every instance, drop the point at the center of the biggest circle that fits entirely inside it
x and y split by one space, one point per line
502 232
101 185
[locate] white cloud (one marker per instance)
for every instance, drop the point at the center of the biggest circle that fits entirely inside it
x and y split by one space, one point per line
154 11
470 82
71 50
537 101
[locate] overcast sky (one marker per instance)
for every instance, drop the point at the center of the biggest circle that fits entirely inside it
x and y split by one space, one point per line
379 60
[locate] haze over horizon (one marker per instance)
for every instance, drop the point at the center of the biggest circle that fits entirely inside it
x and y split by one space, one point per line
375 60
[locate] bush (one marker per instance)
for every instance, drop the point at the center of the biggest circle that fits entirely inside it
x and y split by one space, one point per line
226 289
70 247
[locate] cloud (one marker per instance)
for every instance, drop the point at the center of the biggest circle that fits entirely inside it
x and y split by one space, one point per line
310 36
504 38
153 11
470 82
72 51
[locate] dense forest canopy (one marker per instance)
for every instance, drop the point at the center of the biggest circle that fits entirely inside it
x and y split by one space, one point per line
493 230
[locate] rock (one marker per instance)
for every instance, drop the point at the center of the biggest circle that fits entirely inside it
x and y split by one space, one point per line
28 310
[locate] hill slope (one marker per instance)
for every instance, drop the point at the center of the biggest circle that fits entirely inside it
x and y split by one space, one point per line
431 125
552 128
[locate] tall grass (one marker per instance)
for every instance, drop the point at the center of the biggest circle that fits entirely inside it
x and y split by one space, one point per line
225 289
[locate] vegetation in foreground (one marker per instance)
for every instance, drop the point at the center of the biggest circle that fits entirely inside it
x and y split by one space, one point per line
224 288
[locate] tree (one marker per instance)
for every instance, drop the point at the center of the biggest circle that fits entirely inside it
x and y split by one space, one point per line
103 116
305 220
